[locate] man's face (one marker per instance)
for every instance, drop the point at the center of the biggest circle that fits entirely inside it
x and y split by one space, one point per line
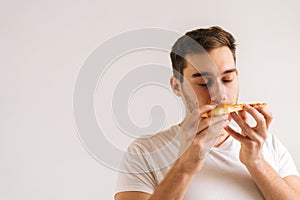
210 79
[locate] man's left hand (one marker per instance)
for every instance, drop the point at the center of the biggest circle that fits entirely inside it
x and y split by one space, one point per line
251 138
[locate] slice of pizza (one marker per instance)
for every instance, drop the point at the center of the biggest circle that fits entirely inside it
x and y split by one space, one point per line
228 108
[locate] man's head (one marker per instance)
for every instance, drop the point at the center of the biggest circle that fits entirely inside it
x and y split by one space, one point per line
204 68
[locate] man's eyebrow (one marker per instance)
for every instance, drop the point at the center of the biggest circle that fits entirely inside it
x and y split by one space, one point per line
201 74
229 71
198 74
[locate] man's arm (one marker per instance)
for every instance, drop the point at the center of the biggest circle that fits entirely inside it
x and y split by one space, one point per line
172 187
132 195
293 181
271 185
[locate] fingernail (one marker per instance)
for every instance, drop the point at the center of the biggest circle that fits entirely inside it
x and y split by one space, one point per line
226 123
225 126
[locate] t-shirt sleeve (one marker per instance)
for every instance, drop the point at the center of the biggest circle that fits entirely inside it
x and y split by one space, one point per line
136 172
286 165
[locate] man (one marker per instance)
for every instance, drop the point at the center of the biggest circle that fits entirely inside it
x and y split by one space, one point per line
207 158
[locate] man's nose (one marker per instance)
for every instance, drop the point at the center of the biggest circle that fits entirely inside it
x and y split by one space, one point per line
217 93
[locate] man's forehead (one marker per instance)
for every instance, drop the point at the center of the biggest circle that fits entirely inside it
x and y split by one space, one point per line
203 64
199 60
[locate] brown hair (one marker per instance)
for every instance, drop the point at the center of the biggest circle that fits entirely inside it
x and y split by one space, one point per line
199 41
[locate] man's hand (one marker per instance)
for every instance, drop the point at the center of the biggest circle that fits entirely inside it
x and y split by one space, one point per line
251 138
197 136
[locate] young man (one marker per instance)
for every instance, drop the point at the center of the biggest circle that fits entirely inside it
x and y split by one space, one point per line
204 157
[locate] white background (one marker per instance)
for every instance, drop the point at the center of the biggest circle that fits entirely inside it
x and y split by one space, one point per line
43 45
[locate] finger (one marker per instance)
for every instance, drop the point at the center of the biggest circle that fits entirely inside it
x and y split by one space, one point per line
243 115
209 137
258 117
214 131
206 108
205 123
267 115
238 119
191 128
246 129
194 116
235 134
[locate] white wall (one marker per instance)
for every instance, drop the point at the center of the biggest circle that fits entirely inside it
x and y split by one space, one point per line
44 44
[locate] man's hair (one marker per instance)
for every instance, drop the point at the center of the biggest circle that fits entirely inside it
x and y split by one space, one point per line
199 41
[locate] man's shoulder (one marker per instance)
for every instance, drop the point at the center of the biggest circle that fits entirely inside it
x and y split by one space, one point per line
273 149
272 142
154 152
161 139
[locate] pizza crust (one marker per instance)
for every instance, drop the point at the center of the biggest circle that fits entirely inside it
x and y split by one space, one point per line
228 108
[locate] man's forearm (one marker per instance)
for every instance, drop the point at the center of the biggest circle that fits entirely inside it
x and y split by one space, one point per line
272 186
173 186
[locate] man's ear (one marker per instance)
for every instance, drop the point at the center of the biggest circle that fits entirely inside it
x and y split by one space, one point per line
176 86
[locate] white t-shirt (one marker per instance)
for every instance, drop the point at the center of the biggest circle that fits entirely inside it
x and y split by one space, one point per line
223 176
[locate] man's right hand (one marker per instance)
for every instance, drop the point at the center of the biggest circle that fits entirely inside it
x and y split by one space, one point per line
197 136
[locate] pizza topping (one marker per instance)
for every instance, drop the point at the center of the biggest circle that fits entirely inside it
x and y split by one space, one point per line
228 108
